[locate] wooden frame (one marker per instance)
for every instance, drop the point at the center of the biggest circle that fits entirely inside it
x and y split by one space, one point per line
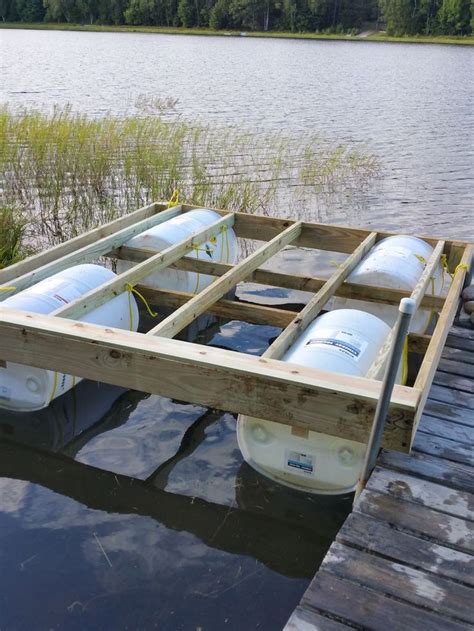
265 387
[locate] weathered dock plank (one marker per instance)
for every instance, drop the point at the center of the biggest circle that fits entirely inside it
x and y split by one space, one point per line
404 558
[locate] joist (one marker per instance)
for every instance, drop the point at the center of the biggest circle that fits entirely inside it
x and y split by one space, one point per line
327 402
277 279
88 252
433 353
230 309
314 306
197 305
97 297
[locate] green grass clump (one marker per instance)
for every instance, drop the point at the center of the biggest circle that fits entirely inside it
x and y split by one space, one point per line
69 172
12 230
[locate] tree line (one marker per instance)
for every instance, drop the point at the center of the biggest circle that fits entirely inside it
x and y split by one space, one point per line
398 17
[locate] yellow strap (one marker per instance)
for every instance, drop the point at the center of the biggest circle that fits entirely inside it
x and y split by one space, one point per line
405 362
131 290
174 200
7 288
55 385
461 266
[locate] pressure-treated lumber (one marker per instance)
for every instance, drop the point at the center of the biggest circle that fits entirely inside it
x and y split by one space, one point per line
432 356
333 238
197 305
277 279
88 252
314 306
376 369
97 297
312 399
52 254
246 311
231 309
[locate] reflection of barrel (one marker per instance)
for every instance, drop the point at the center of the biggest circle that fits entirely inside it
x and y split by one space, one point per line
395 263
25 388
344 341
66 418
222 248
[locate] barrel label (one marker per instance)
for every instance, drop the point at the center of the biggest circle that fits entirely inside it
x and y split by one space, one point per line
346 342
299 463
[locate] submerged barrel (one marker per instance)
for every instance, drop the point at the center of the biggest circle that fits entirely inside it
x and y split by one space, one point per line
346 341
222 248
25 388
396 263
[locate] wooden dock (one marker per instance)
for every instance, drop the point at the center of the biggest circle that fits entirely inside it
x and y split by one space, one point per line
404 559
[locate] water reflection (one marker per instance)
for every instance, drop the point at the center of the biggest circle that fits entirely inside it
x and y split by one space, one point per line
155 521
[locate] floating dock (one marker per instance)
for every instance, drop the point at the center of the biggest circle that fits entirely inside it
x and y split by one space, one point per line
402 558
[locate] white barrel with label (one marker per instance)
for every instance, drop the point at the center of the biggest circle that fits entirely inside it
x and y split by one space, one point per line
345 341
25 388
222 248
396 263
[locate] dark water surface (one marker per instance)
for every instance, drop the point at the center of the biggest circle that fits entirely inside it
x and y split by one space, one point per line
156 523
120 510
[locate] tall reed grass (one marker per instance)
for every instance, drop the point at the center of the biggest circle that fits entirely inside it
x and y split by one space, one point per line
68 172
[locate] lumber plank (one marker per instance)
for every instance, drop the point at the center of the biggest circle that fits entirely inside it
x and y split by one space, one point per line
282 343
450 411
454 382
368 608
183 316
411 489
446 429
456 368
88 252
457 354
376 370
465 334
449 531
97 297
334 238
465 344
278 279
366 533
454 399
213 377
52 254
444 448
452 474
247 312
432 356
414 586
306 620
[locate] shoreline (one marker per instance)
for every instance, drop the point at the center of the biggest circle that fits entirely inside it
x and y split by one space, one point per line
205 32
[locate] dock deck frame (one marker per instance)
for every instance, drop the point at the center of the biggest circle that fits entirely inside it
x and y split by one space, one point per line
265 387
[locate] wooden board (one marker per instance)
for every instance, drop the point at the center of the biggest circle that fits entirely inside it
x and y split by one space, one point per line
209 376
84 254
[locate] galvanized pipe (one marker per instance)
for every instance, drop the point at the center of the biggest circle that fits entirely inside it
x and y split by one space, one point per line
405 312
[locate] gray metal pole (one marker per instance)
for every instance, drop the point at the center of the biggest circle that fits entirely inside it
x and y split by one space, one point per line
405 311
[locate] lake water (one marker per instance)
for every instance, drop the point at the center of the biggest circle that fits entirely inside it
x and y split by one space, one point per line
410 106
157 522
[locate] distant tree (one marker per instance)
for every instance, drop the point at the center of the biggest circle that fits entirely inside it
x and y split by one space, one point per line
454 17
401 16
30 10
219 16
186 13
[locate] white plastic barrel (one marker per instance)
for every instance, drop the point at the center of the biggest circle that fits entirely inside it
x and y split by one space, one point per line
396 263
25 388
222 248
344 341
